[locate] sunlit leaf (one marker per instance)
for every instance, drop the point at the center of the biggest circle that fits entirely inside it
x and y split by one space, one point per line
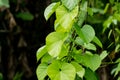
79 69
70 4
88 60
41 71
86 33
40 52
54 42
90 46
50 10
61 71
103 55
64 52
46 59
65 19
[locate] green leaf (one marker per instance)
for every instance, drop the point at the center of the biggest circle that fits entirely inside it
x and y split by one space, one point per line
117 48
86 33
90 46
50 10
82 13
79 69
40 52
107 23
54 42
25 16
4 3
97 41
88 60
64 52
65 19
103 55
1 76
46 59
117 69
106 7
90 75
90 11
41 71
70 4
61 71
118 78
79 41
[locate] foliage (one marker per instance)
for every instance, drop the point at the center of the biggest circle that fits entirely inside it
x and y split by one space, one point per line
73 48
1 76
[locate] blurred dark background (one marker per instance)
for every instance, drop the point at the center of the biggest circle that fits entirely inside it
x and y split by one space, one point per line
23 29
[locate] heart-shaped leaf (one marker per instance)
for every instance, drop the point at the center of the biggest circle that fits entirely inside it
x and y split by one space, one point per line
54 42
86 33
65 18
61 71
79 69
42 71
41 51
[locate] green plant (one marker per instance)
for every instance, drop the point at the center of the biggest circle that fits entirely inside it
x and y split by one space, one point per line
70 52
1 76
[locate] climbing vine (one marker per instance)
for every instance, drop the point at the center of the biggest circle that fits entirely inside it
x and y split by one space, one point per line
71 51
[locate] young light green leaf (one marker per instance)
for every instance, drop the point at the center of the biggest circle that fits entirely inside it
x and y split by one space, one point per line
86 33
50 10
54 42
25 16
40 52
103 55
46 59
97 41
4 3
88 60
64 52
79 69
90 46
90 75
79 41
61 71
65 19
41 71
70 4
